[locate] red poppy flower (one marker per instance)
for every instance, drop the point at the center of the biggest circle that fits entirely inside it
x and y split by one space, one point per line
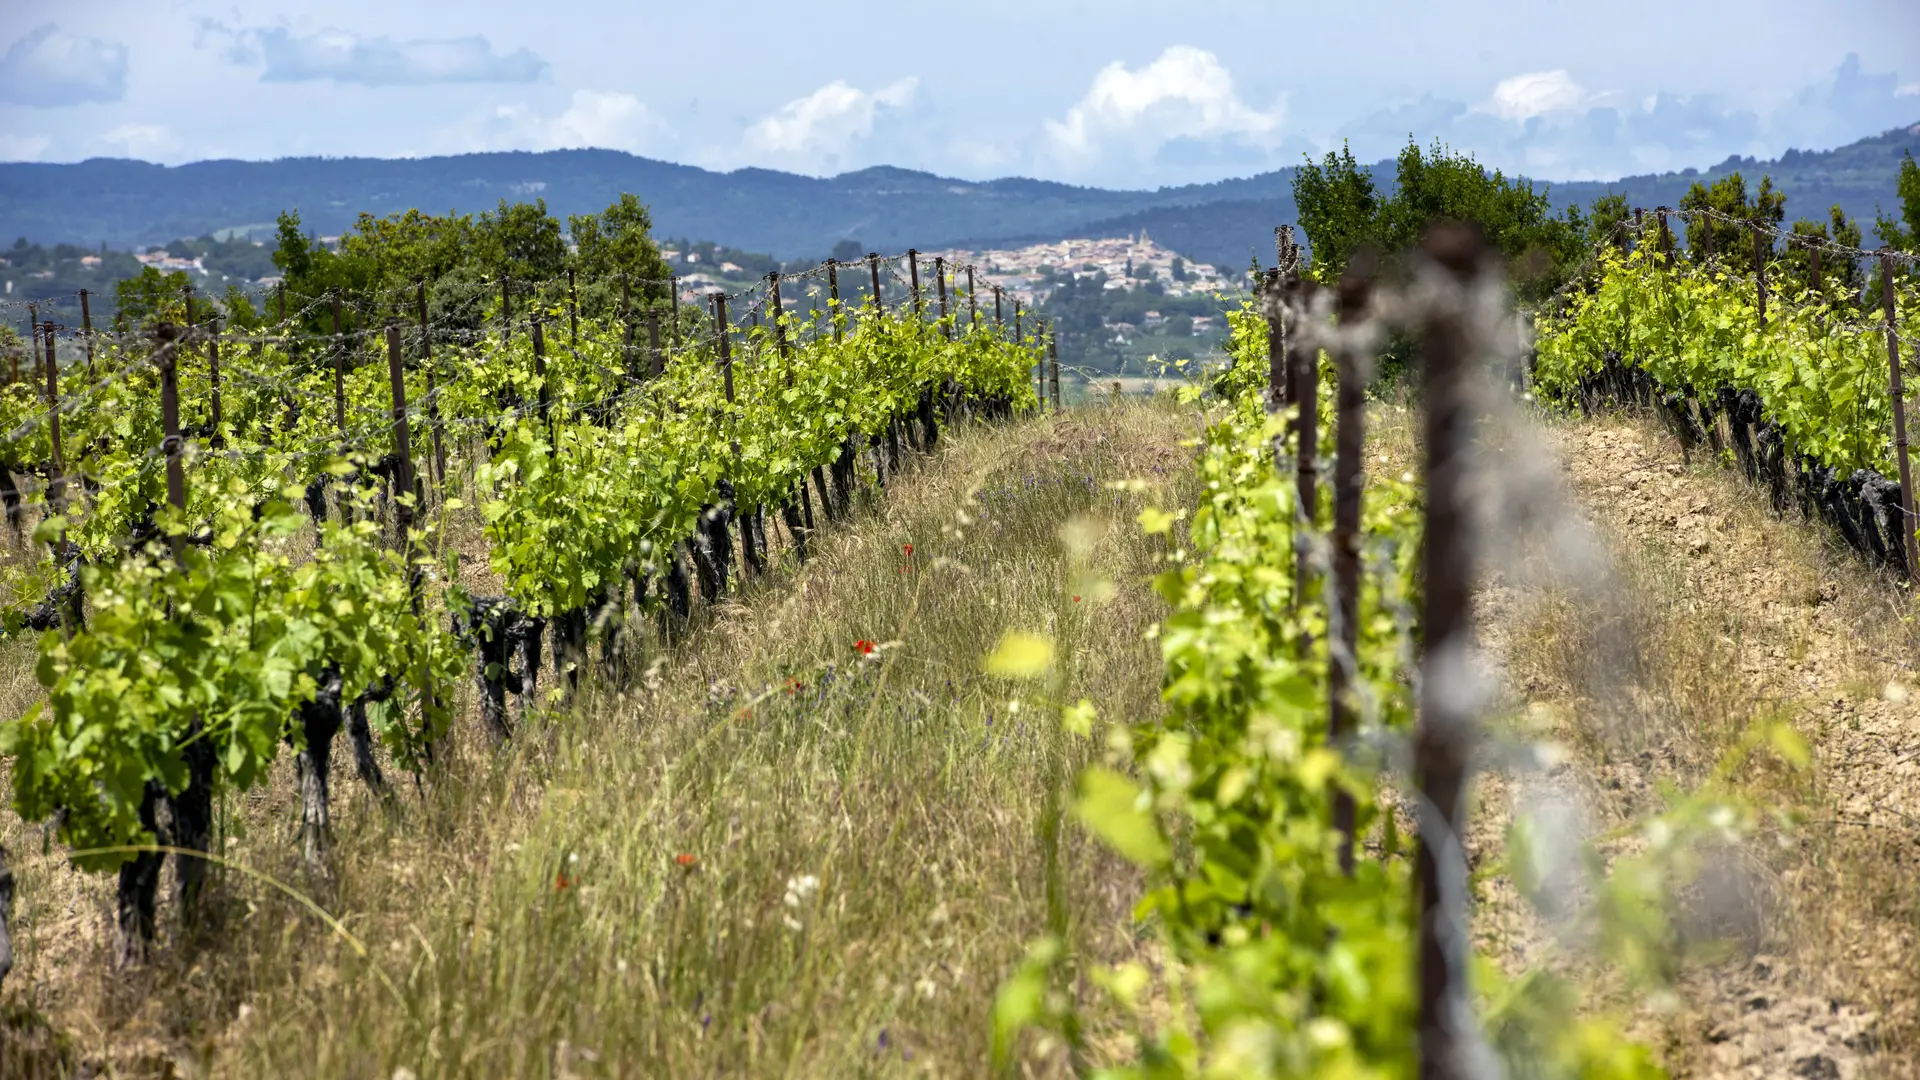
866 647
908 548
562 881
684 860
1076 599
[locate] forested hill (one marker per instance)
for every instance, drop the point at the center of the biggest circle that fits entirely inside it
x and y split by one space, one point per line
126 203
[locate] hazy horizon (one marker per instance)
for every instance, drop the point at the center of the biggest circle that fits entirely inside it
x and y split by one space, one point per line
1139 98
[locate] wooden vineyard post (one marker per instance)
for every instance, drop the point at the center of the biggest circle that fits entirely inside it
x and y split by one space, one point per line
433 384
1899 412
57 479
1759 270
573 312
403 485
1270 303
1303 364
540 373
1019 336
973 301
913 281
726 346
339 376
1349 487
506 309
1666 239
655 361
1443 732
1053 362
86 330
833 297
217 441
626 327
774 302
940 282
172 445
873 262
1639 222
673 307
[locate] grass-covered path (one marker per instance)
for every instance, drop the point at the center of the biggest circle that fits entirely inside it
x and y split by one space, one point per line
804 841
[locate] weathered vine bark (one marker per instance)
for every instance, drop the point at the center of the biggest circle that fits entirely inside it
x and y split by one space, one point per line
193 822
320 721
6 915
139 887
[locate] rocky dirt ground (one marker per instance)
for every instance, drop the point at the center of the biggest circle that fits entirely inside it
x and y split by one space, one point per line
1704 616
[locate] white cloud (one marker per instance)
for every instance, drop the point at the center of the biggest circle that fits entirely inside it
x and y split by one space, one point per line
1523 97
50 67
1184 94
342 56
1911 89
602 119
819 129
144 141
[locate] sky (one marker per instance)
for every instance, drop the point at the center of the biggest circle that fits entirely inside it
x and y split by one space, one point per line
1116 93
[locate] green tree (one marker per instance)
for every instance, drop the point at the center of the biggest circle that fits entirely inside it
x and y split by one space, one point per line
1341 211
1338 208
615 245
1836 270
1607 223
1732 240
1903 232
149 298
523 242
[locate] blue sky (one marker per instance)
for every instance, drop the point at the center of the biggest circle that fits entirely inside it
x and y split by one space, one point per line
1119 93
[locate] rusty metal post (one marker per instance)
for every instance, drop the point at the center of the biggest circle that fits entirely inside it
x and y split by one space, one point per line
879 303
999 320
1899 411
913 269
1443 734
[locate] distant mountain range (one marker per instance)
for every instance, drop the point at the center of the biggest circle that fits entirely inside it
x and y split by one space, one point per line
130 203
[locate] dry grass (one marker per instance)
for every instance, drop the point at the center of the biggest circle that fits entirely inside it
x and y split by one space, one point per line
526 913
1716 615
